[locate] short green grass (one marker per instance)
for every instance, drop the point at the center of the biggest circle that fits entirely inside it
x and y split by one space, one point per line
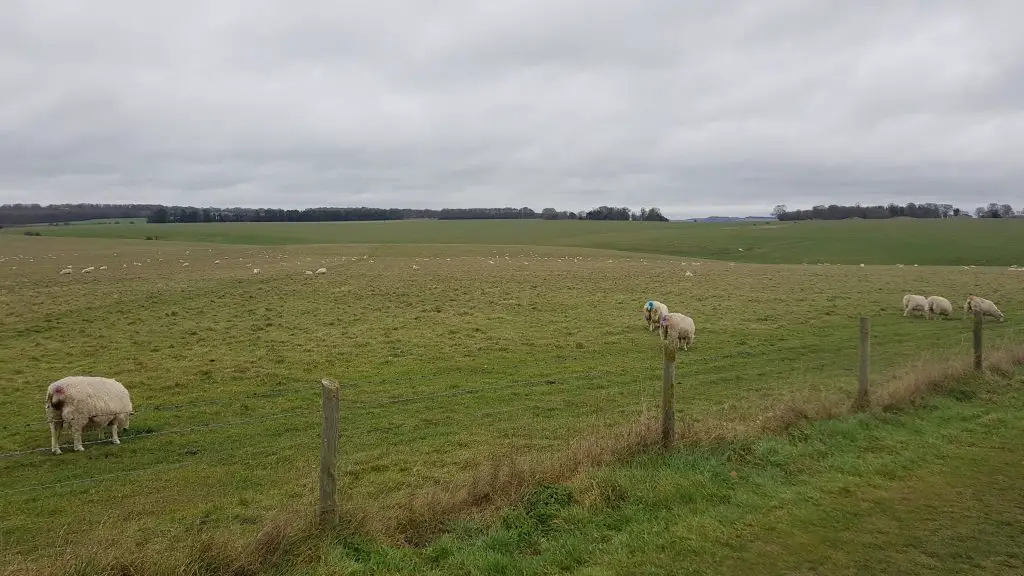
966 242
553 336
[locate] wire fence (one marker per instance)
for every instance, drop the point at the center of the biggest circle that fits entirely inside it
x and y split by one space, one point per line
390 443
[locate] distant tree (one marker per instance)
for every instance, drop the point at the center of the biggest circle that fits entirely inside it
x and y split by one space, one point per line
1006 211
159 216
654 215
549 214
779 210
609 213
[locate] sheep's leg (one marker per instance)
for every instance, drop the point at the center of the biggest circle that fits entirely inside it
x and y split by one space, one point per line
76 433
55 428
113 433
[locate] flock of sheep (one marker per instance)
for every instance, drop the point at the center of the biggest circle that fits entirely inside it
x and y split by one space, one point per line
936 306
676 329
86 401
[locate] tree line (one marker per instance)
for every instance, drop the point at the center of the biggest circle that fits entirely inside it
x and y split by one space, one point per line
879 212
22 214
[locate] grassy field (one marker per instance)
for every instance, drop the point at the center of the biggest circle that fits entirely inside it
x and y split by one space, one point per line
898 241
451 357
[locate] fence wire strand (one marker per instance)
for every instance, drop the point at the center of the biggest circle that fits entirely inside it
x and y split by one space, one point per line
211 426
94 478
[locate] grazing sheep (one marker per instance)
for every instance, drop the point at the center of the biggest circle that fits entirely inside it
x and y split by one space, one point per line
65 271
938 306
914 303
255 270
677 329
84 401
88 270
309 272
653 313
321 270
986 307
103 267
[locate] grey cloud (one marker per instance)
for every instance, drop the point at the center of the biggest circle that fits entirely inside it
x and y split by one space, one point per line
697 107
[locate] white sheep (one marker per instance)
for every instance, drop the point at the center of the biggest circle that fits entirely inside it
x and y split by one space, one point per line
309 272
914 303
986 307
255 270
65 271
86 401
938 306
677 329
103 267
321 270
88 270
653 313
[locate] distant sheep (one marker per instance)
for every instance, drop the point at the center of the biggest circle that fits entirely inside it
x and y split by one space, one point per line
653 313
321 270
255 270
65 271
309 272
986 307
677 329
88 270
86 401
938 306
103 267
914 303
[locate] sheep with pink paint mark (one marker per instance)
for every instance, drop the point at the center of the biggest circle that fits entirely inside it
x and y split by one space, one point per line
83 402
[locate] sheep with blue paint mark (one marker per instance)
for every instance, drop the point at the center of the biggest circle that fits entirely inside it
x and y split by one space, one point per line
654 311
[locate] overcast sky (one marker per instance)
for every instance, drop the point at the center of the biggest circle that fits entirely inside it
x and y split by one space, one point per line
698 107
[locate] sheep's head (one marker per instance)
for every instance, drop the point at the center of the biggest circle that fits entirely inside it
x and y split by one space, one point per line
664 320
649 305
57 398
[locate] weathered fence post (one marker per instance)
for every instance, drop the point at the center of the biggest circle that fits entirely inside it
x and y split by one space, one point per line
668 415
977 341
865 363
328 510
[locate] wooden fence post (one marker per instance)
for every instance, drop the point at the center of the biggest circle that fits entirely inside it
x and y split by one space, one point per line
977 341
865 363
328 509
668 415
